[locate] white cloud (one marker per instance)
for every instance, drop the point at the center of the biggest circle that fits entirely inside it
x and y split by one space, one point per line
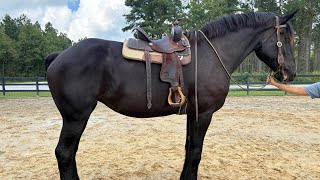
29 4
60 17
99 18
94 18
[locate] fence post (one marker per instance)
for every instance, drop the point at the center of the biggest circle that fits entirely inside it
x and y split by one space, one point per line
248 89
3 86
37 85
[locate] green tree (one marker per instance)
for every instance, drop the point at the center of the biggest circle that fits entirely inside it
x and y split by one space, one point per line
268 6
64 41
155 16
304 24
50 36
10 27
31 46
23 45
316 45
55 41
200 12
7 53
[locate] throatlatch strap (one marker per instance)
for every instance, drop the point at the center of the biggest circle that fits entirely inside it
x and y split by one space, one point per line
148 71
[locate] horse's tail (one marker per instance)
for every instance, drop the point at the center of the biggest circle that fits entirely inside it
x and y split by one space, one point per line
48 60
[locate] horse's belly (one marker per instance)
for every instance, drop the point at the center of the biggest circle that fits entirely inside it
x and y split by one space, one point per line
135 105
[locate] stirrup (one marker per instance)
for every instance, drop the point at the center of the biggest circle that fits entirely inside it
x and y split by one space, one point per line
182 100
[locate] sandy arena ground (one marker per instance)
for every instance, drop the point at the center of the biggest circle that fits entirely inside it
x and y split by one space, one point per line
249 138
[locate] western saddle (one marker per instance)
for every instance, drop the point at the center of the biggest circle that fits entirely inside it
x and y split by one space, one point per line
172 51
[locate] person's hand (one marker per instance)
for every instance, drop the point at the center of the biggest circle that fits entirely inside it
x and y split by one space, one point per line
270 79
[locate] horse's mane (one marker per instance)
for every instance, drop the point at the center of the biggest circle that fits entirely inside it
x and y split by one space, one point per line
233 23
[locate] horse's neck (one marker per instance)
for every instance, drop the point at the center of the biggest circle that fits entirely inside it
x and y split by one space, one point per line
234 47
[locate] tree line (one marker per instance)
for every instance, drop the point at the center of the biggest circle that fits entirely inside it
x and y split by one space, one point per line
23 46
156 18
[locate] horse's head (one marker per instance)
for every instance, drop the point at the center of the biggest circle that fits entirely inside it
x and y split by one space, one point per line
276 48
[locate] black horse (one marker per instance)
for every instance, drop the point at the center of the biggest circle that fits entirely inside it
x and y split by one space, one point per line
94 70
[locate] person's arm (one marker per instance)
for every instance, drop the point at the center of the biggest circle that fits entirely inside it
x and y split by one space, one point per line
299 90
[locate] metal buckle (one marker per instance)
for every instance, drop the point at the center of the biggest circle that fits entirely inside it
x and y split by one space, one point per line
279 44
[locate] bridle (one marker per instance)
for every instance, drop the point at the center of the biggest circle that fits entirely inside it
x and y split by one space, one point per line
279 44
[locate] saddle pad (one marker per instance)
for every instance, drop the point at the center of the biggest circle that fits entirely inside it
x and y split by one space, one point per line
134 54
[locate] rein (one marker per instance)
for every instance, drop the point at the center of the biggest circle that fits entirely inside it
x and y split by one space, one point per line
220 60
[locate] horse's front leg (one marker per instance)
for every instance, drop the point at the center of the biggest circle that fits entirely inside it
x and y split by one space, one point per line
196 132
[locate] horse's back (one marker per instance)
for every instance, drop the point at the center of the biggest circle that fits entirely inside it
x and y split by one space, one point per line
85 52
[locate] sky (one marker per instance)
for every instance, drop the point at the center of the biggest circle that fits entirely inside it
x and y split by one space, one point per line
77 18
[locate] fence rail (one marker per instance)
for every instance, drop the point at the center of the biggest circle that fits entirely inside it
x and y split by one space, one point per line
248 83
23 84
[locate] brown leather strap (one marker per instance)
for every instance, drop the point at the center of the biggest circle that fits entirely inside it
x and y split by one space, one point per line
148 71
196 76
279 45
181 78
177 95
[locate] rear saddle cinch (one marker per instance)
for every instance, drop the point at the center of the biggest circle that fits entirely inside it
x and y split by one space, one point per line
172 51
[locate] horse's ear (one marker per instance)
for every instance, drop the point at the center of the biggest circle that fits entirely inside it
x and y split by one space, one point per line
287 17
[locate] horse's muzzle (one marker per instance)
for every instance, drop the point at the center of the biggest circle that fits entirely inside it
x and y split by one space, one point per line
284 76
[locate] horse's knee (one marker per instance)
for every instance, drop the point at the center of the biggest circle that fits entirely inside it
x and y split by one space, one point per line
63 156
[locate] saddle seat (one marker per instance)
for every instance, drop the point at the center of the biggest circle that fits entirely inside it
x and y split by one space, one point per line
163 45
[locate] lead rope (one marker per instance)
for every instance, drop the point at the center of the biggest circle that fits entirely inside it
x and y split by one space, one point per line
224 67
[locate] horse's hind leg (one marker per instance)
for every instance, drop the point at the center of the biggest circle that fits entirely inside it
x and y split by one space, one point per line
196 132
75 114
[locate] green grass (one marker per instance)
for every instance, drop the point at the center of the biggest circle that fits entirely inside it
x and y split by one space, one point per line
13 95
257 93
